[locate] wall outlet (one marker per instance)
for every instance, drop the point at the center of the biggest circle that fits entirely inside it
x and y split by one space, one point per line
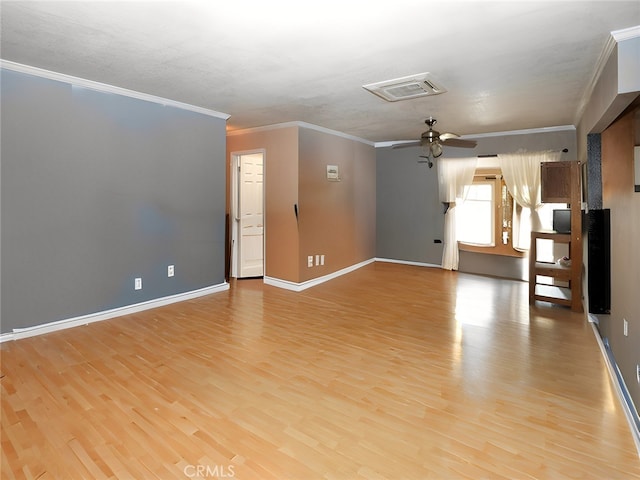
171 270
310 261
625 327
321 259
317 259
137 284
638 372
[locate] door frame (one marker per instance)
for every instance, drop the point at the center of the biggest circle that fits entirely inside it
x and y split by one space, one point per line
234 192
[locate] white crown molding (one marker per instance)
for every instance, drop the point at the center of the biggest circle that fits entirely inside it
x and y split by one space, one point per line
608 48
103 87
559 128
391 143
626 33
264 128
299 124
528 131
19 333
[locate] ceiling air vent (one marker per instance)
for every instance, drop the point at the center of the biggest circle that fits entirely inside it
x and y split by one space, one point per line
406 88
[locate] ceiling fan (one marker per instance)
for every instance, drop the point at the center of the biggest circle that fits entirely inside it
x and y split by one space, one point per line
432 141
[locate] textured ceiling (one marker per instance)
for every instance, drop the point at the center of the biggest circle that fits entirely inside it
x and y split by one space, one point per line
506 65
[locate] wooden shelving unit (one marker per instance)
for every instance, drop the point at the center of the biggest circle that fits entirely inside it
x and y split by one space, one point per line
561 183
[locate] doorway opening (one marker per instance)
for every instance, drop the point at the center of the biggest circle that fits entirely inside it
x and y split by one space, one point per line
247 214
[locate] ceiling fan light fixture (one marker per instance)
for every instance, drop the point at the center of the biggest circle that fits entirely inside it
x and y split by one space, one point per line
406 88
436 149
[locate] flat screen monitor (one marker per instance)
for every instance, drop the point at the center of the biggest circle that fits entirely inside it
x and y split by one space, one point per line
562 220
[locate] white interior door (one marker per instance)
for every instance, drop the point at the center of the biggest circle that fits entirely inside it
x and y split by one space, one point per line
250 216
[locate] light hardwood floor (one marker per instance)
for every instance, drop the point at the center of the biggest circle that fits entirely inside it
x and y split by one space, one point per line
391 371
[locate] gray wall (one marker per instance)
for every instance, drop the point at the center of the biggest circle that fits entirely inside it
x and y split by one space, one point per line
98 189
516 268
410 216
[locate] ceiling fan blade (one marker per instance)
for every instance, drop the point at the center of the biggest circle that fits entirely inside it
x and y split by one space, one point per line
415 143
448 136
458 142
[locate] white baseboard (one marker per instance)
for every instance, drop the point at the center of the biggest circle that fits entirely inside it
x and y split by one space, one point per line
407 262
19 333
298 287
620 387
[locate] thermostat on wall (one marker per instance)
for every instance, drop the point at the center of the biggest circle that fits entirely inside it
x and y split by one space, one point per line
333 173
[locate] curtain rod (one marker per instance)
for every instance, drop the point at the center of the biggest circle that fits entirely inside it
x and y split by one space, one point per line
491 155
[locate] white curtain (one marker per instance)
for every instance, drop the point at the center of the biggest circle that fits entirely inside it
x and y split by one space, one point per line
454 174
521 173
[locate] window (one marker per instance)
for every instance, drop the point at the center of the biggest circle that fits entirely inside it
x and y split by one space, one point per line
484 219
475 217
